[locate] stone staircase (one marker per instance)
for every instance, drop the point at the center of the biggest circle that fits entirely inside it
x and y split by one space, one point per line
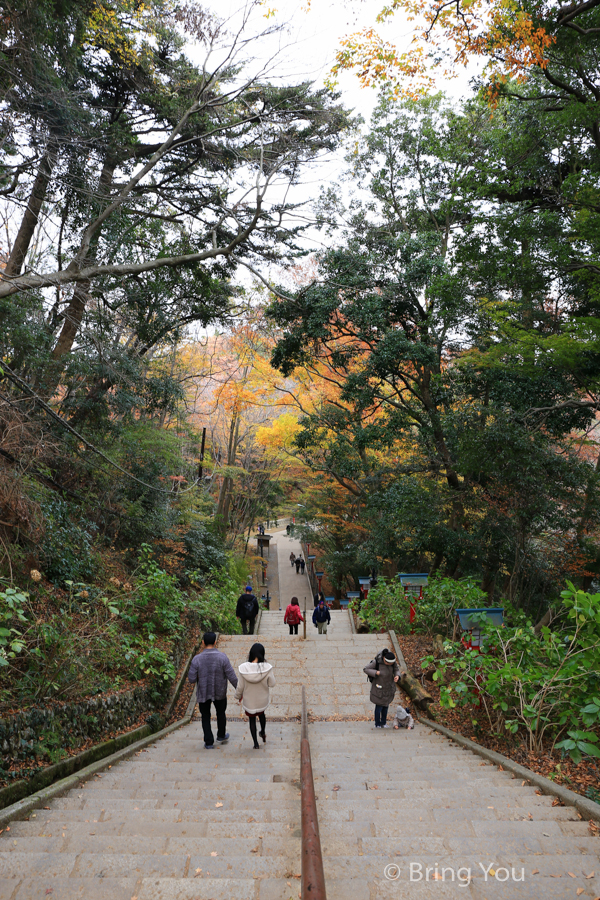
177 822
174 821
329 665
389 799
271 625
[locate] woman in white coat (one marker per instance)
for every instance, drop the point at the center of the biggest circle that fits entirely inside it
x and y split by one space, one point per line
253 689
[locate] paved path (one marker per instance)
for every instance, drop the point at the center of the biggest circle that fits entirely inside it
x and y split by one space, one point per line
290 584
177 822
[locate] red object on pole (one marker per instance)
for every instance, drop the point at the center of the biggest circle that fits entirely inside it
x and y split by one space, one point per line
413 605
320 579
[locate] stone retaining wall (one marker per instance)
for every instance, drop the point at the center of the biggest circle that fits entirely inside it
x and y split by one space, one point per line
92 718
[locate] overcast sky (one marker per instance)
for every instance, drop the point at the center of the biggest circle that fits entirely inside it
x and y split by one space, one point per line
305 50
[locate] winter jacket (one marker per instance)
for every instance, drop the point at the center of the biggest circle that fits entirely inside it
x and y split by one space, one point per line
253 686
211 670
321 614
293 615
247 606
403 719
383 687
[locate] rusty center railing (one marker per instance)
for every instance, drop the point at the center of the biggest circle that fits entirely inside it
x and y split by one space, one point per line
313 877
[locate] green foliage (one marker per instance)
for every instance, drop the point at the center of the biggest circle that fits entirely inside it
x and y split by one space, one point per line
12 610
51 745
545 684
387 606
67 548
215 606
158 595
436 612
147 659
459 387
204 550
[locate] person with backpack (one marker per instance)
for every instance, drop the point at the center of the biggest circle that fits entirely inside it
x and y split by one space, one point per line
321 617
302 564
384 674
247 610
253 690
297 564
293 615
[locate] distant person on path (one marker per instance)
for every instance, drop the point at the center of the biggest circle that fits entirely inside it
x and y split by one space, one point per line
403 718
253 690
247 610
321 617
318 597
210 670
297 564
302 564
293 615
384 673
293 558
288 529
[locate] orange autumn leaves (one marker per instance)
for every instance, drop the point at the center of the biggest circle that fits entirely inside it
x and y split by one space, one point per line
447 36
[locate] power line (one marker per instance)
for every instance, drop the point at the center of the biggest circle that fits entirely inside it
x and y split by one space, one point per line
20 383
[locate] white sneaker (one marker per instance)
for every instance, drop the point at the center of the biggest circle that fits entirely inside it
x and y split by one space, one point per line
385 726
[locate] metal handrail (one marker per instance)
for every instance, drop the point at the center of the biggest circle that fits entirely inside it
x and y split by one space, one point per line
313 877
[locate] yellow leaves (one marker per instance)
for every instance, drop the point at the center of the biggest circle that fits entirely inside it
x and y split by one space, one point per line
279 434
376 61
114 31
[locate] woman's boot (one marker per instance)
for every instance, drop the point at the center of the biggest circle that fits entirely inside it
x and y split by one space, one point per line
252 721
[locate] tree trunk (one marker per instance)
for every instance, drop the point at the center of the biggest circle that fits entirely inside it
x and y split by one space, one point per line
74 313
417 693
544 621
30 219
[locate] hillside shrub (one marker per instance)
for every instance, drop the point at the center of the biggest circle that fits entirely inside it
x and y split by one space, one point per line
387 607
546 686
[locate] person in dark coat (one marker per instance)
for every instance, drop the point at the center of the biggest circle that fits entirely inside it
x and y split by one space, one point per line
318 597
302 564
247 610
210 670
321 617
297 564
383 673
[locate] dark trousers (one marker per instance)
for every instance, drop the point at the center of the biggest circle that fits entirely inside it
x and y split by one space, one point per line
220 707
248 629
293 628
381 715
